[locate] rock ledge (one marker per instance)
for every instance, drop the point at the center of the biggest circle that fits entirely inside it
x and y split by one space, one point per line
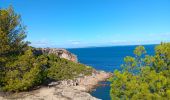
62 53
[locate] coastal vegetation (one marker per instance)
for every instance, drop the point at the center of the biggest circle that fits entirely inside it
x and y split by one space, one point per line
20 68
143 76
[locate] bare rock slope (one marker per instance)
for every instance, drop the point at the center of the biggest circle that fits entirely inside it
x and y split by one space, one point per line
62 53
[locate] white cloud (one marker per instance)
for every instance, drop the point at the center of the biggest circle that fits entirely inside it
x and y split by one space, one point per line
150 38
42 43
74 42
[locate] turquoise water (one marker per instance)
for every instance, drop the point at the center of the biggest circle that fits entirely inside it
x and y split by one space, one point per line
107 59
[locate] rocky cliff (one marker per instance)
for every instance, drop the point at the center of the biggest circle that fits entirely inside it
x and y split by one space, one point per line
62 53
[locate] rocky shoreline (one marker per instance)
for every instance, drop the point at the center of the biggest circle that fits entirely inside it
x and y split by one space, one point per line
76 89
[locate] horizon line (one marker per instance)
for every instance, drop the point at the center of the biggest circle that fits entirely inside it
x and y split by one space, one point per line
111 46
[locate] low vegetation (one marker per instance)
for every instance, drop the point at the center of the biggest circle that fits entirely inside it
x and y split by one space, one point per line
20 68
143 76
61 69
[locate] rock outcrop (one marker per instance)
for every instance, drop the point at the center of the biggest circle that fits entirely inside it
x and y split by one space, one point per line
58 92
62 53
86 82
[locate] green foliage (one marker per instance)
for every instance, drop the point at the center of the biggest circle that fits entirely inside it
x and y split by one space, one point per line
152 80
61 69
12 33
139 51
30 70
25 72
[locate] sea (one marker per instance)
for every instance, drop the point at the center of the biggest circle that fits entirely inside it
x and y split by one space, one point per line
107 59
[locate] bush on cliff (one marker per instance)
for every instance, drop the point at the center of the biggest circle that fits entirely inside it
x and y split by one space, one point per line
144 77
20 68
25 72
61 69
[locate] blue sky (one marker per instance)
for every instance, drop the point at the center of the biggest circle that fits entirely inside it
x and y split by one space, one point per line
82 23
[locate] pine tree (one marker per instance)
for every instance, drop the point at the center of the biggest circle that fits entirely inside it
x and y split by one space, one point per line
12 34
25 72
152 80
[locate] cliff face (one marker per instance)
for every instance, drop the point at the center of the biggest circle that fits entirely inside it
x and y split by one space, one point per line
62 53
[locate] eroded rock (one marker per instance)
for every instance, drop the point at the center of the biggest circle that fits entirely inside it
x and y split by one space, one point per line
62 53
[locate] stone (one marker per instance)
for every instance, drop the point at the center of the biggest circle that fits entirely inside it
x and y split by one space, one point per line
62 53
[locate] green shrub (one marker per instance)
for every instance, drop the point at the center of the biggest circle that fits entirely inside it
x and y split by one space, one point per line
145 77
24 73
61 69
